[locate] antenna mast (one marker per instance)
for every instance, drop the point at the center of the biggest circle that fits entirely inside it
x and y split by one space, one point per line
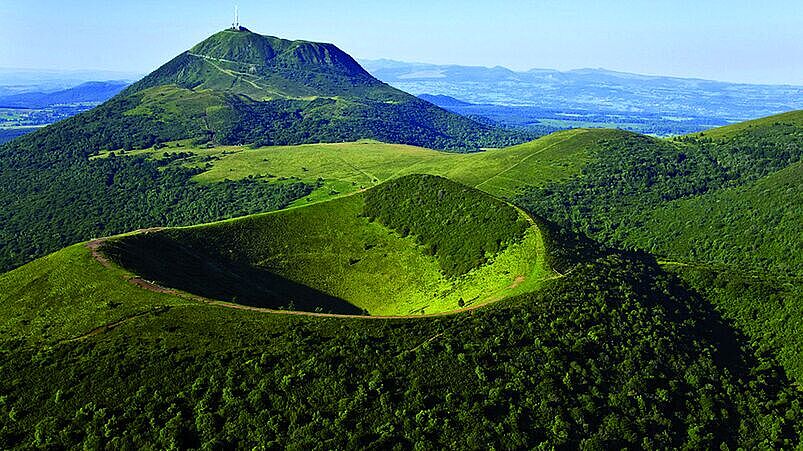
236 24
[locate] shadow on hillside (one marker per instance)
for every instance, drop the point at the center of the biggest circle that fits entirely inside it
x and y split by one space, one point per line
701 326
157 257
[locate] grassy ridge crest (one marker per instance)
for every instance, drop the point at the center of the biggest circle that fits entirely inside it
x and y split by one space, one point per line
329 257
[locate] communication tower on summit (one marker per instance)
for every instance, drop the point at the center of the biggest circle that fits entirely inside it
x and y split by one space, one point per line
236 24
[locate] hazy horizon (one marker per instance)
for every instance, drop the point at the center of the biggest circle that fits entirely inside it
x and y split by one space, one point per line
734 42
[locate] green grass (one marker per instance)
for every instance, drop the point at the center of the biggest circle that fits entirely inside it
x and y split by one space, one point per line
793 118
168 102
641 349
274 259
67 294
350 167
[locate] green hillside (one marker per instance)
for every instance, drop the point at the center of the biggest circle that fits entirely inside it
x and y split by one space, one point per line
742 247
240 87
91 359
185 184
236 87
722 208
629 174
755 226
332 257
788 121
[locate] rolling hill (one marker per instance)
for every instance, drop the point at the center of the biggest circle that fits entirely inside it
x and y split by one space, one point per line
112 360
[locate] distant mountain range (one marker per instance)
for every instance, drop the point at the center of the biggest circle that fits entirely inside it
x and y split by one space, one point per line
93 92
542 121
590 90
539 100
18 81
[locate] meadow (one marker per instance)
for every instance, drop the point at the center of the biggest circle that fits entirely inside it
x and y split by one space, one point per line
349 167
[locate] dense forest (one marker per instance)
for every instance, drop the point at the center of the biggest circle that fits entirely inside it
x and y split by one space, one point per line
723 207
641 363
52 202
631 175
283 122
461 226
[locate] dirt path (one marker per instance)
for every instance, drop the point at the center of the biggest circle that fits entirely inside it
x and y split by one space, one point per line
95 245
499 174
235 74
112 325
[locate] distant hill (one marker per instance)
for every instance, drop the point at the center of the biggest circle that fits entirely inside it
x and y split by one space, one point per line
443 101
591 90
20 81
93 92
240 87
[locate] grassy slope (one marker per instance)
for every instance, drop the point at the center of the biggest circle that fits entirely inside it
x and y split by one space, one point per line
332 248
727 132
634 366
68 294
496 171
349 167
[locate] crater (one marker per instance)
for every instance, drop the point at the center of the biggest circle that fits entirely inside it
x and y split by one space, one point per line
413 246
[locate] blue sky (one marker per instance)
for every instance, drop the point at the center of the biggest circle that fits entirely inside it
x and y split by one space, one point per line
737 40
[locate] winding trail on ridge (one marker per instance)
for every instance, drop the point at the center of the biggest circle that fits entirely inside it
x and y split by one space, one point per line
95 248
